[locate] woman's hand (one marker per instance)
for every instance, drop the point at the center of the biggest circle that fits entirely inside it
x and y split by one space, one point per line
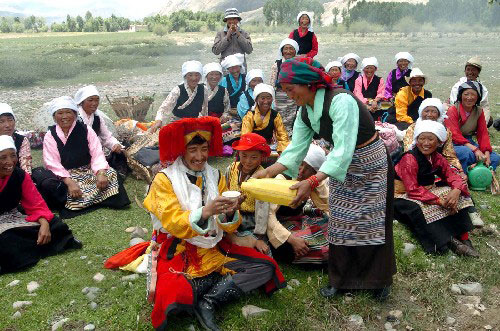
450 202
303 193
299 245
270 172
102 180
480 157
464 177
261 246
74 190
44 235
156 125
116 148
487 159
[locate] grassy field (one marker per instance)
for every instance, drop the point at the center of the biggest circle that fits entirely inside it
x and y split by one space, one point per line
421 286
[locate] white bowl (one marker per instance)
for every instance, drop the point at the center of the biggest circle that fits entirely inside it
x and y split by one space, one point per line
231 194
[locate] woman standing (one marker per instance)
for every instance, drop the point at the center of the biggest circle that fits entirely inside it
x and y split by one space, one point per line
304 35
284 105
361 190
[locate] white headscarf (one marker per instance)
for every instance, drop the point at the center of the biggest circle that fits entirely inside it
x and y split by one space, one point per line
85 92
406 56
63 102
192 66
369 61
209 67
261 88
6 142
254 73
6 109
233 60
315 157
434 127
284 42
433 102
333 64
311 18
351 56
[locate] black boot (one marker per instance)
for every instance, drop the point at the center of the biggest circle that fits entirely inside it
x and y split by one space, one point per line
328 292
223 292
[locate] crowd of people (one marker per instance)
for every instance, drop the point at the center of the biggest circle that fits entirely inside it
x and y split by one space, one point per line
361 149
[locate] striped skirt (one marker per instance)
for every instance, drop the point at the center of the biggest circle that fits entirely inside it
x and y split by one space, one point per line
358 205
287 109
87 181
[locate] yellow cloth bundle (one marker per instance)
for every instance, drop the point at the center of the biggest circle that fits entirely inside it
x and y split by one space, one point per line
271 190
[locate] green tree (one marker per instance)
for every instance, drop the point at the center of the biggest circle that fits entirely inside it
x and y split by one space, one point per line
5 26
88 15
335 12
70 23
79 23
285 11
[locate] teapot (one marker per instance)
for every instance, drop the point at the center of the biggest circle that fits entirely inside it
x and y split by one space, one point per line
480 177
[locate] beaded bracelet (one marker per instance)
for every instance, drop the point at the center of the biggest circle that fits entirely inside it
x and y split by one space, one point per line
313 182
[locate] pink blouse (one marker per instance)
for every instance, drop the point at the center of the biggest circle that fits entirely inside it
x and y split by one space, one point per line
31 200
106 137
52 159
358 90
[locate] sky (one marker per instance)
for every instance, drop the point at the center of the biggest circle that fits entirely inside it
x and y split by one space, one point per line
133 9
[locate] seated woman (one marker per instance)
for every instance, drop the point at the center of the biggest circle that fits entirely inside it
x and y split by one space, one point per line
187 100
304 35
8 127
298 235
396 78
437 215
432 109
466 119
73 153
218 97
87 98
246 102
197 269
252 151
350 63
284 105
408 100
369 88
234 81
334 69
264 120
26 238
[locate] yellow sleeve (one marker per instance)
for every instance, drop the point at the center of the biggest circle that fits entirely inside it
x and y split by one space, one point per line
281 134
408 138
449 152
228 226
401 103
247 124
163 203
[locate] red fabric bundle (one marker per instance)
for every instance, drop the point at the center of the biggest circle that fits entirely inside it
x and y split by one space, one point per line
126 256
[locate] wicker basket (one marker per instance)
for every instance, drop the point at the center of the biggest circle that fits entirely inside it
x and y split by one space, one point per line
133 107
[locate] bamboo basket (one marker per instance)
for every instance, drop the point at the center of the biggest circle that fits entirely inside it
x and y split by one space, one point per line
133 107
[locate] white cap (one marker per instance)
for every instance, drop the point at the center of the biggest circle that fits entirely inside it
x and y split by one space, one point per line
6 142
369 61
254 73
429 126
333 64
433 102
284 42
6 109
350 56
315 157
233 60
416 73
405 56
262 88
311 18
209 67
85 92
61 103
192 66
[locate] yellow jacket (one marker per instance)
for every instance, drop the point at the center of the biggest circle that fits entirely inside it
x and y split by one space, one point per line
163 203
404 98
254 121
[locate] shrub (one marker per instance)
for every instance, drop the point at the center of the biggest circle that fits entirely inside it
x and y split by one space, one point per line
18 27
160 30
407 25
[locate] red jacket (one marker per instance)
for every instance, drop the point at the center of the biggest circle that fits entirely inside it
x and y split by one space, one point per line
407 170
454 123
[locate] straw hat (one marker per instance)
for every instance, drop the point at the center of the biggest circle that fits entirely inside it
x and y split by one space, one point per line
416 73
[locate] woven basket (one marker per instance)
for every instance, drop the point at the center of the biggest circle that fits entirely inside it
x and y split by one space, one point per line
132 107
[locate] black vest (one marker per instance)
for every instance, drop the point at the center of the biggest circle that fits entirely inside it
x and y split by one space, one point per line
305 42
366 128
397 84
76 152
425 174
250 100
12 193
216 104
267 132
96 125
278 64
18 141
234 96
194 108
371 90
350 82
413 107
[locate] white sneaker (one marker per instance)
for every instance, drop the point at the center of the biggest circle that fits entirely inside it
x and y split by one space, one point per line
476 219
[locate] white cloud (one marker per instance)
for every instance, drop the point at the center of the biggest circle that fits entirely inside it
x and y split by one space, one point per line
128 8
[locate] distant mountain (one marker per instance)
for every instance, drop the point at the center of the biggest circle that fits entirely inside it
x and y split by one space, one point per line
10 14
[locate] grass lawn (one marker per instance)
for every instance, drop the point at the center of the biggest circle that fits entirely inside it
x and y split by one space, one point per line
421 287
